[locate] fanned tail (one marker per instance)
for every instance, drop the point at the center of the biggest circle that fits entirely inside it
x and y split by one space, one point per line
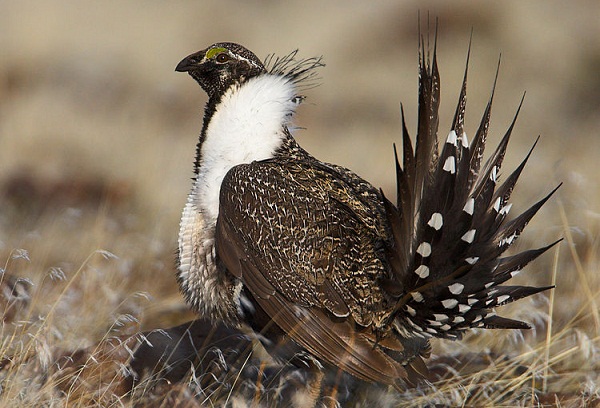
448 276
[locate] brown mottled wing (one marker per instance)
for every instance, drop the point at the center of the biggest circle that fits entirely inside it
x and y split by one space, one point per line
305 248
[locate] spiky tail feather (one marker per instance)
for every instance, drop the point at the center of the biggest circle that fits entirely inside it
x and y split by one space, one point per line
447 276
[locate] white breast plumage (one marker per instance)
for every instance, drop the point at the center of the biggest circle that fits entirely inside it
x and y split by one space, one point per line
247 125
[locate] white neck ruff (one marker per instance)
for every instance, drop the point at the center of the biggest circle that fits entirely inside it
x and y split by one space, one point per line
247 126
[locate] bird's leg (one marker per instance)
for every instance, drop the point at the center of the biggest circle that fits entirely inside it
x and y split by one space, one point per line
330 394
314 385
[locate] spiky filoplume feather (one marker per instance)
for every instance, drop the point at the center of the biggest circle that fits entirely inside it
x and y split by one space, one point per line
309 251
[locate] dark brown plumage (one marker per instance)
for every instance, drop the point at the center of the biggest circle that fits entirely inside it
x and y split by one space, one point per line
309 251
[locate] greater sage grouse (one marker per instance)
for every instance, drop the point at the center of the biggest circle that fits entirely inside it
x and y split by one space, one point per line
310 251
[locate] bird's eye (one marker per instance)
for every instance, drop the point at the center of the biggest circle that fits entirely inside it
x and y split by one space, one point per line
222 58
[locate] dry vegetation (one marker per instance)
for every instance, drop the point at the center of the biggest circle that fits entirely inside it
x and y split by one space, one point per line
97 137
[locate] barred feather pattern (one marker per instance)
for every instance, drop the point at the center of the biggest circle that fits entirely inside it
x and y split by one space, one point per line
448 276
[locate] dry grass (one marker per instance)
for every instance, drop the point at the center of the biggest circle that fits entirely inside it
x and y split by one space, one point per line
97 139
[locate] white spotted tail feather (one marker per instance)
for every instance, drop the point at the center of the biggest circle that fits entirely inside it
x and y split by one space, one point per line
448 276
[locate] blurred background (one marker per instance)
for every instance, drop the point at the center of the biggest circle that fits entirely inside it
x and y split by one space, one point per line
98 133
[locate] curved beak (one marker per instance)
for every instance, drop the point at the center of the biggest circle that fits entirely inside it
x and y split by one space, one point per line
190 62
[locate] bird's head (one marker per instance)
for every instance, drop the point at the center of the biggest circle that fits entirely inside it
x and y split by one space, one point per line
221 65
